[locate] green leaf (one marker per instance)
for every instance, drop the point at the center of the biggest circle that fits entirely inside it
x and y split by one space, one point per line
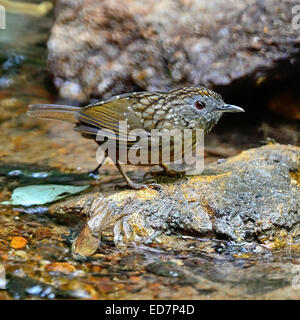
41 194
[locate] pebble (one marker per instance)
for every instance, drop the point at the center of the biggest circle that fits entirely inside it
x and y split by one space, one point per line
18 243
61 267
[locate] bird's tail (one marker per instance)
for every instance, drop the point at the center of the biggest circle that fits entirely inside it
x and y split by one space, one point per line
53 111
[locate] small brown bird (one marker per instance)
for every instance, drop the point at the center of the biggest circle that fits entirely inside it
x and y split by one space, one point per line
185 108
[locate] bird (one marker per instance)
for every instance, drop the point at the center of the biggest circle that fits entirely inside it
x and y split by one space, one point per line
193 107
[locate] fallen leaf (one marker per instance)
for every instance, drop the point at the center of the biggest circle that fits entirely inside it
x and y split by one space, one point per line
41 194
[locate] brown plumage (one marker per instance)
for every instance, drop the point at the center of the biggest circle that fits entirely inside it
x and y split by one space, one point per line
185 108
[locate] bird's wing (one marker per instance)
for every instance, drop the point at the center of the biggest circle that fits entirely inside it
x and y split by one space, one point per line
105 116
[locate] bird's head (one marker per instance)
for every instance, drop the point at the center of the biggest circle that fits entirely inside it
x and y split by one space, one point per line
199 107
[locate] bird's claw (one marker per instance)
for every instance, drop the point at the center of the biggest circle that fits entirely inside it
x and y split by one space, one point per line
155 186
148 185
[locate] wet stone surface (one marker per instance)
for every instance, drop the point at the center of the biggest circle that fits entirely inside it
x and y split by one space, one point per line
250 197
191 268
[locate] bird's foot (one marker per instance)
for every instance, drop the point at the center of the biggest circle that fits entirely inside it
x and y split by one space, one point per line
134 185
140 186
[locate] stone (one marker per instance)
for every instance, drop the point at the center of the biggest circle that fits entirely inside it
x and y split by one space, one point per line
61 267
254 196
99 48
18 243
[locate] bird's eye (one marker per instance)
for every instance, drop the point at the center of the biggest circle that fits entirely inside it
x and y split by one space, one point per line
200 105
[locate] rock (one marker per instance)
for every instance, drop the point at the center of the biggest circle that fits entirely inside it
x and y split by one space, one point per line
18 243
60 267
100 48
253 196
20 288
20 255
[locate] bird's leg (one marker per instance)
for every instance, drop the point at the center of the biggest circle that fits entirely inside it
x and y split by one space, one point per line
96 170
171 171
134 185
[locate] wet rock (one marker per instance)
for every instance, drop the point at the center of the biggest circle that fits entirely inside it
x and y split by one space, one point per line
20 288
18 243
100 48
250 197
60 267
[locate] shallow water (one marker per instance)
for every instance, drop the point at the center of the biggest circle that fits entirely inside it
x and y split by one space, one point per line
39 152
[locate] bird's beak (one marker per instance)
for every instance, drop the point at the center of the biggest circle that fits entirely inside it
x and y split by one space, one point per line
230 108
